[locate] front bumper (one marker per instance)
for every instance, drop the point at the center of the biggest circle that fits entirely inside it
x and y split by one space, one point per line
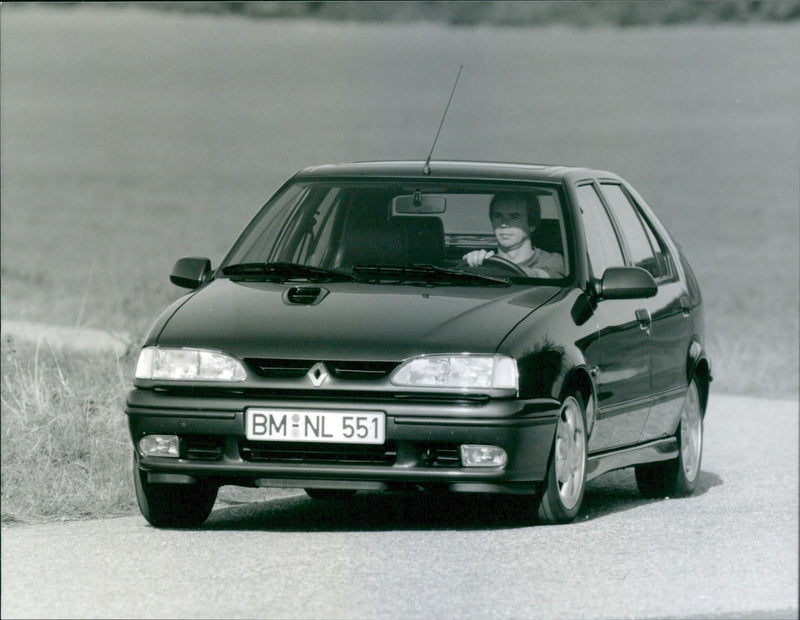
421 447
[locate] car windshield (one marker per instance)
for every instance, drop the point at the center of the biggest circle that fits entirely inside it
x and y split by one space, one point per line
350 227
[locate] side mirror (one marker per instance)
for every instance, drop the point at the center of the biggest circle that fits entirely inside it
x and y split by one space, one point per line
627 283
190 272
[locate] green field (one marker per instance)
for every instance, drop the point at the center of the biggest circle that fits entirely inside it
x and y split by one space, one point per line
133 137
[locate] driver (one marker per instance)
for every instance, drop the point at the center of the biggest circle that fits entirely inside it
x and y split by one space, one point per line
514 216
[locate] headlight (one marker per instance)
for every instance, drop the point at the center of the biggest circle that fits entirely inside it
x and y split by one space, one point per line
188 365
458 371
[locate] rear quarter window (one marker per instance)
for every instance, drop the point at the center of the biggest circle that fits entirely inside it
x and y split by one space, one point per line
639 243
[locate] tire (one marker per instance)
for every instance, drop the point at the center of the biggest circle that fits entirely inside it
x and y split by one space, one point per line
562 491
330 494
173 505
678 477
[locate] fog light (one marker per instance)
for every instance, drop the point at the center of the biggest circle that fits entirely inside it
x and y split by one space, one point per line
159 445
483 456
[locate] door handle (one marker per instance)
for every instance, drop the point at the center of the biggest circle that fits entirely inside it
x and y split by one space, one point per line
643 316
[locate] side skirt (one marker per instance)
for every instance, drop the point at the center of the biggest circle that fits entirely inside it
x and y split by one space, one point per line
658 450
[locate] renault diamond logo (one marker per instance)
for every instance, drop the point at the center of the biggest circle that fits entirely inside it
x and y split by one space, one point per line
318 375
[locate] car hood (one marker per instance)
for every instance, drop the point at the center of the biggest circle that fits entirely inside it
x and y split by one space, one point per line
352 321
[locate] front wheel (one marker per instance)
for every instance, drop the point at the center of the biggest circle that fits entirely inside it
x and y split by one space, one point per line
563 489
678 477
173 505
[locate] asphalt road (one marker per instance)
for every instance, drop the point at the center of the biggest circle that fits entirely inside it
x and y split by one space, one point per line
729 551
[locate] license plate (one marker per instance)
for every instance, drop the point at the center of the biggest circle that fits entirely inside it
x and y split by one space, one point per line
315 426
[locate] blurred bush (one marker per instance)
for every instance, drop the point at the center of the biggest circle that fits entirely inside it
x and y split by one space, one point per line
585 13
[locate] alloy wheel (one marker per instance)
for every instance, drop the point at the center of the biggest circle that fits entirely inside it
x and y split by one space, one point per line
691 433
570 453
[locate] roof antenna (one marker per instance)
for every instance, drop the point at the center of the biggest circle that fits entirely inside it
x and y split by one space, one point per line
426 169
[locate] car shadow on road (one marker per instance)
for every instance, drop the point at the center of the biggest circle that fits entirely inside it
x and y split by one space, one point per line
613 493
377 512
617 492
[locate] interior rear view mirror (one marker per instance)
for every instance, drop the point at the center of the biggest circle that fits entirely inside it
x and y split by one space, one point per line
418 203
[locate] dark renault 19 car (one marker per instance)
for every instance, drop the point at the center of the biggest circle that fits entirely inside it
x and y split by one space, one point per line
471 327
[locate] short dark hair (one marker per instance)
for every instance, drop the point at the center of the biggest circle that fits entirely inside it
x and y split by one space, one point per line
529 199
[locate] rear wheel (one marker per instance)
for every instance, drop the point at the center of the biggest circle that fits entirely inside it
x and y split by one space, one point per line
678 477
330 494
563 489
173 505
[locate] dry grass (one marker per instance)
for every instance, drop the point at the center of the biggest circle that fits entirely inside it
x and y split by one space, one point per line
66 453
66 449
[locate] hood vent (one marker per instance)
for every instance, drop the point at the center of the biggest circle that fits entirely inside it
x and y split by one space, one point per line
304 295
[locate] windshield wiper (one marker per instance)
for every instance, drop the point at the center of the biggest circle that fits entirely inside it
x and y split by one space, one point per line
282 271
423 274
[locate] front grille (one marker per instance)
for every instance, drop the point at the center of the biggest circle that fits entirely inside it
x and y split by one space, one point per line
272 368
202 447
360 370
319 454
278 368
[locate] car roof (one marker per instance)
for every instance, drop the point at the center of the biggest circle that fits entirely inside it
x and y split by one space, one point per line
452 169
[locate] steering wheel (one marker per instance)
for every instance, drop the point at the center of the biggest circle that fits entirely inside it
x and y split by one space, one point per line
504 263
496 266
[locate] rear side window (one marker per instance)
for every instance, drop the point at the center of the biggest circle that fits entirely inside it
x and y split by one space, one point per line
601 240
645 251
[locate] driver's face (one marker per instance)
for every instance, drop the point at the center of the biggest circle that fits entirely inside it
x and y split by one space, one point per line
510 223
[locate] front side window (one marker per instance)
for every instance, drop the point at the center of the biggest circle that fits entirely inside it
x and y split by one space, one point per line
339 225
